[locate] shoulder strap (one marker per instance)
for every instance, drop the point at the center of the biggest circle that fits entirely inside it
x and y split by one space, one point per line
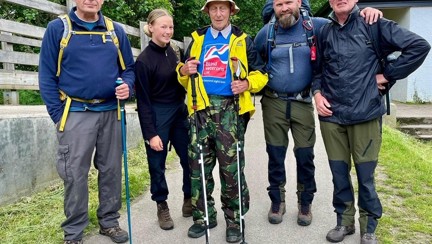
308 27
67 32
110 28
374 34
271 35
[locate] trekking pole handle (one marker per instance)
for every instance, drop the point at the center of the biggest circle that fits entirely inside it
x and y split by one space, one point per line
120 81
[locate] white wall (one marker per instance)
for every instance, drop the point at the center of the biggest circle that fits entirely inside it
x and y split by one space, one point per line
418 86
420 82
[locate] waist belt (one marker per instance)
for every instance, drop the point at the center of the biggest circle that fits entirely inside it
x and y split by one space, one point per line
282 95
69 99
303 96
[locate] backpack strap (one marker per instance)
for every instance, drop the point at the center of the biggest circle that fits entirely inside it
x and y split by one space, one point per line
310 32
271 38
374 35
67 32
110 28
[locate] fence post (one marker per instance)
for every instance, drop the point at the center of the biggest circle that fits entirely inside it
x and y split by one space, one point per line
69 5
143 37
186 41
10 97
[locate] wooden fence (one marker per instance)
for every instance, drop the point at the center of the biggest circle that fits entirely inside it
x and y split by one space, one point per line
15 33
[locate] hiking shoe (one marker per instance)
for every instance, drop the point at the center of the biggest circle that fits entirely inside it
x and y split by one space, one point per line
233 233
277 210
304 216
369 238
73 242
187 207
198 229
338 233
115 233
164 217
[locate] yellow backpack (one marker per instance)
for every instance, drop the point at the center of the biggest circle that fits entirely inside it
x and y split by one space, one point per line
68 32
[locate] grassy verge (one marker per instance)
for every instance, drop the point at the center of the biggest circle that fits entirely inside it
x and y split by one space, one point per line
404 185
37 219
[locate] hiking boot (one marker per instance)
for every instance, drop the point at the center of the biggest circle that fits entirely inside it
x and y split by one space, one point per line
369 238
73 242
164 217
338 233
304 216
115 233
275 213
233 233
198 229
187 207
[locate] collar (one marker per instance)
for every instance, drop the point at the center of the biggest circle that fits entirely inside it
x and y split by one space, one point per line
354 12
158 48
74 18
225 32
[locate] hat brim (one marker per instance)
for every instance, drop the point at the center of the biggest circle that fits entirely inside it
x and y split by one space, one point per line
205 8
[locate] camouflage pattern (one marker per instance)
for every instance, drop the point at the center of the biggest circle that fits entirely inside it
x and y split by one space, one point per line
217 128
362 143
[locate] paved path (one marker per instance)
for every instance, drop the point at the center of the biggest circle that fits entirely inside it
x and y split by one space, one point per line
145 228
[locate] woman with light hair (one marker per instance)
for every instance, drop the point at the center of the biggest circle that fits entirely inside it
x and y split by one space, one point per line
162 112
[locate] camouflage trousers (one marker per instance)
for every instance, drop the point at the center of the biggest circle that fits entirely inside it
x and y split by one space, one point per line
217 134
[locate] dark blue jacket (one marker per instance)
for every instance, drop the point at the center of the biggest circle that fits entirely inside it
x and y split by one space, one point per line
347 78
89 68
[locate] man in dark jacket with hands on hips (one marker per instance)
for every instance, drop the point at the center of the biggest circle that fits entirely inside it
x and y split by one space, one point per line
349 100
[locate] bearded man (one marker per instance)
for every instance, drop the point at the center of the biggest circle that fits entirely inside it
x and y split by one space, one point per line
287 102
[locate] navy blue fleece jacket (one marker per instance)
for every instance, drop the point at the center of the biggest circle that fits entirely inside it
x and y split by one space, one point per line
89 68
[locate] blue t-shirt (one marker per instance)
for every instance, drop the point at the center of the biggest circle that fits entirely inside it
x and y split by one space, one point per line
215 68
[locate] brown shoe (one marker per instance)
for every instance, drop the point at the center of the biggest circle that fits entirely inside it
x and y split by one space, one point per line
164 217
115 233
277 210
187 207
304 216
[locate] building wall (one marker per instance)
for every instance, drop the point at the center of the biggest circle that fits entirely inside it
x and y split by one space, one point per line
418 86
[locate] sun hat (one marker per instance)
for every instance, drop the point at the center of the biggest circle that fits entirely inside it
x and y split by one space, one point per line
205 7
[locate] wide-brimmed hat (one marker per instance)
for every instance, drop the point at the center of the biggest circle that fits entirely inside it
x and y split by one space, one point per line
205 7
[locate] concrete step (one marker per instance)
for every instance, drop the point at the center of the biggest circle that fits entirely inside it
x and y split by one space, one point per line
422 129
414 120
425 137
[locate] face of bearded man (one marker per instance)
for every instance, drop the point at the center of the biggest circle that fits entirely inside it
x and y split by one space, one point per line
288 18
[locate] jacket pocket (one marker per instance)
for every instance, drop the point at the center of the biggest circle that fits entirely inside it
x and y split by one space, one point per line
63 156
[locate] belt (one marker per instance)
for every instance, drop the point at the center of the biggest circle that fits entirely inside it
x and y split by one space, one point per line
64 96
281 95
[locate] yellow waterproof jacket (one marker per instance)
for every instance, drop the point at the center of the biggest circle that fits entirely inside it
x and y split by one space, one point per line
240 46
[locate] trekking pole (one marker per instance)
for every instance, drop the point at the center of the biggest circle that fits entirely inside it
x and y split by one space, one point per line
201 156
236 75
123 130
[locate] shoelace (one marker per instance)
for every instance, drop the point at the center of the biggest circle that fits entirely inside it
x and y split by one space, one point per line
165 214
369 236
275 207
304 210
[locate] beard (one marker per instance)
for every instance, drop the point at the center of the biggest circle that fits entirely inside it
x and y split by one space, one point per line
288 20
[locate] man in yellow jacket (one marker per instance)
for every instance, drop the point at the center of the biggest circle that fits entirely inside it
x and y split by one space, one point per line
222 65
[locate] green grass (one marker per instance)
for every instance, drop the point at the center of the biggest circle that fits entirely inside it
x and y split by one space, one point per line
26 97
404 183
37 219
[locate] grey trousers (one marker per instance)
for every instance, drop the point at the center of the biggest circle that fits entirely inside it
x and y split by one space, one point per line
85 133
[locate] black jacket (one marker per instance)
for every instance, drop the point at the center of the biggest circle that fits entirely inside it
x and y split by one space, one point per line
349 64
